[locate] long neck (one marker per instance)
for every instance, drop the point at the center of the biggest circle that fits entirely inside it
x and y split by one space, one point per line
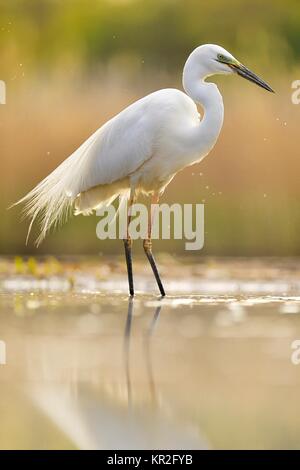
203 136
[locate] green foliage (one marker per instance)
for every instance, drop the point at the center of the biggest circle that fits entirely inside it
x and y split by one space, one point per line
49 31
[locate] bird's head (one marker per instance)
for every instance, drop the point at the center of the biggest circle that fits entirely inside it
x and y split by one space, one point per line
216 60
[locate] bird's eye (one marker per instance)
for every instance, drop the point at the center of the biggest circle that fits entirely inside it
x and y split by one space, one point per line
221 57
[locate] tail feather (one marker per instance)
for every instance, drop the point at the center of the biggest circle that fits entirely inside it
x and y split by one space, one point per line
71 184
48 203
51 201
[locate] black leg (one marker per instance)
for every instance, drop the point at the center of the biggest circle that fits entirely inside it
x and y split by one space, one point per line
148 250
127 246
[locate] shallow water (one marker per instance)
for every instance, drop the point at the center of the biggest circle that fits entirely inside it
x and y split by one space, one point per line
207 367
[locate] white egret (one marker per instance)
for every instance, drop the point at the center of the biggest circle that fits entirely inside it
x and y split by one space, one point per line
141 149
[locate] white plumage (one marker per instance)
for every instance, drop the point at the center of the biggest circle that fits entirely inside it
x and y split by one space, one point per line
141 148
109 160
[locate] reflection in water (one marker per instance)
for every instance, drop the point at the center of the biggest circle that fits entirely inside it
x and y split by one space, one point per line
102 372
127 335
96 418
148 358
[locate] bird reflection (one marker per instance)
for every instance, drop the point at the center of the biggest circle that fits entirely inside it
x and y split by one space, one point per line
147 351
148 356
127 335
95 417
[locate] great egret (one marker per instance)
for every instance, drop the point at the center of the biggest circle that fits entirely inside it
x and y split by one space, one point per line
141 149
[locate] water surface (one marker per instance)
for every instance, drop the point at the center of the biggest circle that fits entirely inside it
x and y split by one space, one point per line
207 367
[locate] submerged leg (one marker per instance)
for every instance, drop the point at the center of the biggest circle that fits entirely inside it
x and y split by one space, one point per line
128 244
147 244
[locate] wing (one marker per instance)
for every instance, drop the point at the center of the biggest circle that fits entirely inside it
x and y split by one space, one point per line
114 151
129 139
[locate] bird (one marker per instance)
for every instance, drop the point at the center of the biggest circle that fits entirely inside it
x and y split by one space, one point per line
140 150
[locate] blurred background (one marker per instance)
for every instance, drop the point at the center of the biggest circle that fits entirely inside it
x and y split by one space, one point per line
210 365
71 65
